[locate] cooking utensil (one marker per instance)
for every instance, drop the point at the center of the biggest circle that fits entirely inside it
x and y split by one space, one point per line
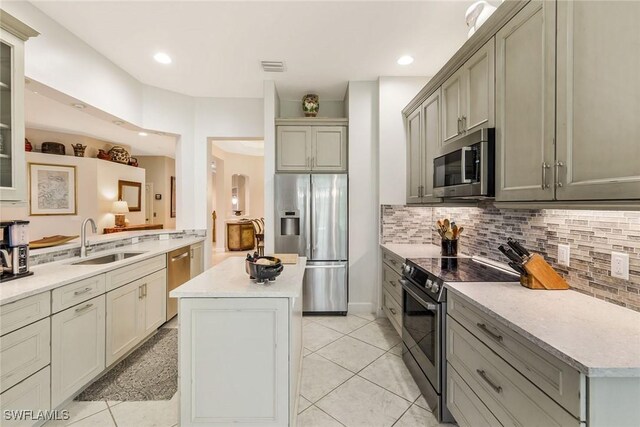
449 235
510 254
517 247
454 230
447 224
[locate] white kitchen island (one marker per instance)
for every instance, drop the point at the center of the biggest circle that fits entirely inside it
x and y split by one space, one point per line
240 347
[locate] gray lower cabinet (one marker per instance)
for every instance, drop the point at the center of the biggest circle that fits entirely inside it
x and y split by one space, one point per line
77 348
311 148
392 289
525 57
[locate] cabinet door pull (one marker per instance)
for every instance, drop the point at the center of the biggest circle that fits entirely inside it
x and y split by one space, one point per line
558 165
83 308
392 283
392 311
84 291
483 375
144 294
464 124
491 334
140 292
459 125
545 166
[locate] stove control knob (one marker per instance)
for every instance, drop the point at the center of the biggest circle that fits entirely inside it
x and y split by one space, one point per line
429 283
406 269
435 288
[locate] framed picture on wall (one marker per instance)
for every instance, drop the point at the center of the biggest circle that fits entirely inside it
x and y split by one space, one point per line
52 189
173 197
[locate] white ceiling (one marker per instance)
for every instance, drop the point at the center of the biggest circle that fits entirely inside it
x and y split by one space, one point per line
237 146
217 46
50 110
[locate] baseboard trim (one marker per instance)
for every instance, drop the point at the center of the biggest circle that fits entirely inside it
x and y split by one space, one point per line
361 308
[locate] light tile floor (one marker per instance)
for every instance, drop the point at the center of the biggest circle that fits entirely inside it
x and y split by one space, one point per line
352 375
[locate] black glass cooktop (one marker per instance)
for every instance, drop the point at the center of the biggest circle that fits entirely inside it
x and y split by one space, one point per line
461 270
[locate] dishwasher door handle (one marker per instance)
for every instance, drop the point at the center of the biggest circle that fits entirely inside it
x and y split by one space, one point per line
176 258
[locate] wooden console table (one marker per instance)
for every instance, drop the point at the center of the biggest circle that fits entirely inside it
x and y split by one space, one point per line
139 227
240 236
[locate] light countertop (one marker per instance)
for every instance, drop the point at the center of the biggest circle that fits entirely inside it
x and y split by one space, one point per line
229 280
55 274
595 337
412 250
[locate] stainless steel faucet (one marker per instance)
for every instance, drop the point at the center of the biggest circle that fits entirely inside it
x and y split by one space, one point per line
83 235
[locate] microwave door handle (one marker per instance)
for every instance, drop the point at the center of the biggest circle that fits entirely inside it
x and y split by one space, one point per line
464 150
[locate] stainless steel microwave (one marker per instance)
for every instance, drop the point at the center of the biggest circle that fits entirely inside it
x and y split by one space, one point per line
465 168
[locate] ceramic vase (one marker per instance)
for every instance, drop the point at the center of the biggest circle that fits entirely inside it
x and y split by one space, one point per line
120 155
103 155
27 145
310 105
78 149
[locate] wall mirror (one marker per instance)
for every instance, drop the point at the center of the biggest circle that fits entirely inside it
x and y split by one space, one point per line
239 194
131 192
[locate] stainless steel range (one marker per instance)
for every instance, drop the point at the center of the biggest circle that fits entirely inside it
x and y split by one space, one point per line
424 318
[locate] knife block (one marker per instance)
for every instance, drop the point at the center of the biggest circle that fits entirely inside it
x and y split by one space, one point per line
541 275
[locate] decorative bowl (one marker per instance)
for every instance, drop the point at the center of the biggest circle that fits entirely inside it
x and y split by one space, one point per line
263 268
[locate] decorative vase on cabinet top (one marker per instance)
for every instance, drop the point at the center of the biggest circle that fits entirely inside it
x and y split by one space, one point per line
103 155
120 155
310 105
78 149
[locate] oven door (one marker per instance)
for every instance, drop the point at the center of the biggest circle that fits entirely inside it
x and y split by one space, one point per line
421 320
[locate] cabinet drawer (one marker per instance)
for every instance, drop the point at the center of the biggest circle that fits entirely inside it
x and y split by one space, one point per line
391 282
393 311
128 274
558 380
465 406
75 293
24 352
31 394
22 312
511 398
393 261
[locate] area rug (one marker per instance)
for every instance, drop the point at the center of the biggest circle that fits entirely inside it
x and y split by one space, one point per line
149 373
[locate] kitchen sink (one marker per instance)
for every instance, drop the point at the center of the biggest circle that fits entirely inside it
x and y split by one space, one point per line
106 259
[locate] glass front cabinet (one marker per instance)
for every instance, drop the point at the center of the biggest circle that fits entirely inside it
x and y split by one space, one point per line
13 179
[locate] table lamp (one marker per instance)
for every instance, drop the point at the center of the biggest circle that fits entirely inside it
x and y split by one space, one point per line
120 208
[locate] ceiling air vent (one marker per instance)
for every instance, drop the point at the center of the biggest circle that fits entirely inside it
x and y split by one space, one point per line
272 66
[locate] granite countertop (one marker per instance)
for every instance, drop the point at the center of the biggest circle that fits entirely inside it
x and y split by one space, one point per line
405 251
595 337
229 280
55 274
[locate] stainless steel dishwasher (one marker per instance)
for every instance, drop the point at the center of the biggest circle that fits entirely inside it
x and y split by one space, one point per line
179 272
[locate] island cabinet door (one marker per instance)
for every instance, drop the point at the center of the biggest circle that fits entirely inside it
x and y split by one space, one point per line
234 361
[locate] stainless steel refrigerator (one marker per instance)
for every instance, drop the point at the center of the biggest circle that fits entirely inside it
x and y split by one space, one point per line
312 221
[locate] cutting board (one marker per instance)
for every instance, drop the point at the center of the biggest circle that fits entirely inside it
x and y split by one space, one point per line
287 258
51 241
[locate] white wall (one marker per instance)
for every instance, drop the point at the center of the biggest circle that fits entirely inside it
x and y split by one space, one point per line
289 108
97 189
362 107
394 94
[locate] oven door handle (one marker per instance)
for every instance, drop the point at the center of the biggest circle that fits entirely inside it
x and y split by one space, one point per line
428 306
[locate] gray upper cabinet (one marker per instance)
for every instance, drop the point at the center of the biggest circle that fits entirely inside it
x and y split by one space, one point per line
598 90
414 157
468 96
311 149
293 148
452 101
479 85
525 104
423 139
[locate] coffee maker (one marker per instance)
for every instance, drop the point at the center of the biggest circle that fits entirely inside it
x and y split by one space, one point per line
14 249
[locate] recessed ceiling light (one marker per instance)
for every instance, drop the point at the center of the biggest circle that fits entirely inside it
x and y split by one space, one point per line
405 60
143 133
79 106
118 122
162 58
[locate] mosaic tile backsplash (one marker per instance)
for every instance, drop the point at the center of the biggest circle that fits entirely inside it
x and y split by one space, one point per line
591 235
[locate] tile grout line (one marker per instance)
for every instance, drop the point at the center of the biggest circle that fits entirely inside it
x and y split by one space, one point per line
332 417
111 413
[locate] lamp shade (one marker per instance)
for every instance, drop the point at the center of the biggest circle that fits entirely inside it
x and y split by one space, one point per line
120 207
